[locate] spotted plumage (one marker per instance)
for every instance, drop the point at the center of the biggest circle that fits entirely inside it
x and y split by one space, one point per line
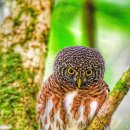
73 94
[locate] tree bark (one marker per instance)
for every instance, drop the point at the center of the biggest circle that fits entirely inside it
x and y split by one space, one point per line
112 102
23 44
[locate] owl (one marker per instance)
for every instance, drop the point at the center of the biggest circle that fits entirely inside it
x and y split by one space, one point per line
74 93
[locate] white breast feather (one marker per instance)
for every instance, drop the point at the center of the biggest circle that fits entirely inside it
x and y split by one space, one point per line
49 107
93 108
81 111
68 105
69 101
57 118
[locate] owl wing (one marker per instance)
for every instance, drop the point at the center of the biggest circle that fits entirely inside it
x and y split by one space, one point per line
106 87
48 105
41 100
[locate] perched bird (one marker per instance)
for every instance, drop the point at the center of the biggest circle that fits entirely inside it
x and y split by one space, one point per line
73 94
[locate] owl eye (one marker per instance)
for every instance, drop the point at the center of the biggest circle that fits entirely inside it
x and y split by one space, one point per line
89 73
70 71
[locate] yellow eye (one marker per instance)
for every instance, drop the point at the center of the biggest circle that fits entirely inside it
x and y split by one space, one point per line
89 73
70 71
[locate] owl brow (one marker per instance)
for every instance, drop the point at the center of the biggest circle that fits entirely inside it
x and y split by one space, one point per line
72 68
97 68
88 68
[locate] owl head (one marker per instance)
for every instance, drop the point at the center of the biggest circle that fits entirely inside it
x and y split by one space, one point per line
79 66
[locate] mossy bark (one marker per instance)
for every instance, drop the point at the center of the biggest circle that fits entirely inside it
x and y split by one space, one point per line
112 102
23 43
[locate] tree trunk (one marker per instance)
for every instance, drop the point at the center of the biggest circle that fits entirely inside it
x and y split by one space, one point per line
23 43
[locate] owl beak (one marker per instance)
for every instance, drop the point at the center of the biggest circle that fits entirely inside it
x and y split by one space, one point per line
79 82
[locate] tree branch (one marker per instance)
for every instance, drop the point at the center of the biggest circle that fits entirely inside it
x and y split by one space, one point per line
112 102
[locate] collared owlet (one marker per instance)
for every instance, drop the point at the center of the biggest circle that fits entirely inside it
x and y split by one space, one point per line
73 94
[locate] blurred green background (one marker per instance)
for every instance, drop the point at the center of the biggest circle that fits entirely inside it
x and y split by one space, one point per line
111 28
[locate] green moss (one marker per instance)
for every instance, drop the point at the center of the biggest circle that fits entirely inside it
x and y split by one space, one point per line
29 10
122 84
17 19
17 95
29 31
